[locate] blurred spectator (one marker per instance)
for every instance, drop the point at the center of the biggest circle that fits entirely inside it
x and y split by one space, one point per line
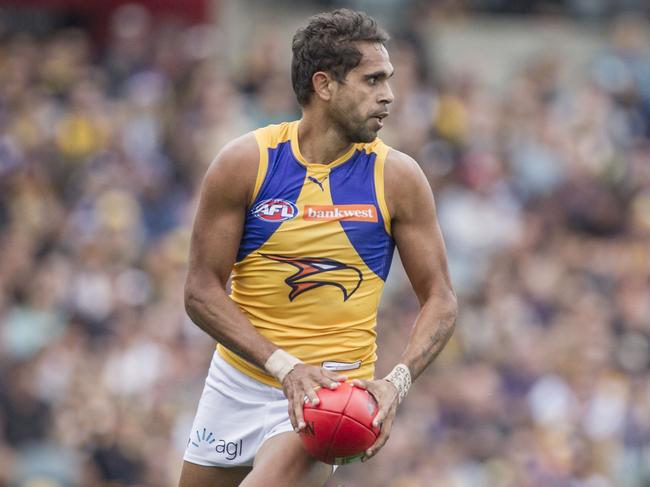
543 193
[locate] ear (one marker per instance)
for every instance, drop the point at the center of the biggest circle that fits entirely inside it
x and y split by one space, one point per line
323 85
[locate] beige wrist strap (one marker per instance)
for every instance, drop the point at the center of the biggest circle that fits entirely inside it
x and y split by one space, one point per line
280 363
400 377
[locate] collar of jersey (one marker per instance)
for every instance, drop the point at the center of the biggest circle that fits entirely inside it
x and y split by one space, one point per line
293 135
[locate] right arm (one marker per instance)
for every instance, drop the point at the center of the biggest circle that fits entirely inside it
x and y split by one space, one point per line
225 194
217 231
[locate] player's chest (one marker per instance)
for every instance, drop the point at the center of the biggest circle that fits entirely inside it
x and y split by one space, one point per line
317 201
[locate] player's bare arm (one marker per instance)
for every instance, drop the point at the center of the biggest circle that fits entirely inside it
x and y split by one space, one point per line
225 195
218 225
422 251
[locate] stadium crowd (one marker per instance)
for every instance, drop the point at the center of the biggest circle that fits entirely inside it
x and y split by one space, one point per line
543 194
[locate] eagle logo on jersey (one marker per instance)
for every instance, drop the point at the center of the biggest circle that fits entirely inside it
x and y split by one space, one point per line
315 272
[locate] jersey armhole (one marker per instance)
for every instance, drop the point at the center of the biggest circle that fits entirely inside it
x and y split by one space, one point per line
261 138
379 186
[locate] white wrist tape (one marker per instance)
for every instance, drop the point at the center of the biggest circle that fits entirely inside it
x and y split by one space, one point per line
400 377
280 363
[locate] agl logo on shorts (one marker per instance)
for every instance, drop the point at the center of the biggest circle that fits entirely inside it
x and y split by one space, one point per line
230 449
275 210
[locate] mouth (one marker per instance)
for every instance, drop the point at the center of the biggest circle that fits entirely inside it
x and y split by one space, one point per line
380 118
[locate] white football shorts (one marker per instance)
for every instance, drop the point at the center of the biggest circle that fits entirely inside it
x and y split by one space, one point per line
235 415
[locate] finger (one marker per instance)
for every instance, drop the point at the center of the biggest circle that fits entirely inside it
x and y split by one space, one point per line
379 418
326 381
361 384
381 439
292 415
311 397
333 375
297 411
386 410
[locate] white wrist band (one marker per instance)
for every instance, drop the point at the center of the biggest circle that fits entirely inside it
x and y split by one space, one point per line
400 377
280 363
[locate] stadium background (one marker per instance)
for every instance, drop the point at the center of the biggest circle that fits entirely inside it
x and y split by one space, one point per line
531 120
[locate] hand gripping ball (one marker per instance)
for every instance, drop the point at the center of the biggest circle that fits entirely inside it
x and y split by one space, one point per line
339 428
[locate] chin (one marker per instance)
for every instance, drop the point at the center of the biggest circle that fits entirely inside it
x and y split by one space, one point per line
364 137
358 134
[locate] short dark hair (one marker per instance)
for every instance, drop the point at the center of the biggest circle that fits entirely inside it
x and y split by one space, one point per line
327 43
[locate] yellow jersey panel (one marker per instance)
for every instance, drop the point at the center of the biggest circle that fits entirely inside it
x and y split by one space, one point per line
314 255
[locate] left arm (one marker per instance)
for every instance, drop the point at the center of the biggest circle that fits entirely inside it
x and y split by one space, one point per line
422 251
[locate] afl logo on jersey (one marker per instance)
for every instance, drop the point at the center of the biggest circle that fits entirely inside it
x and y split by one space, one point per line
275 210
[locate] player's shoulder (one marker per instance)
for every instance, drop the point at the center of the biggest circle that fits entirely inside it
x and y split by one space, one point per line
396 164
236 167
404 180
275 134
233 171
243 153
237 157
401 170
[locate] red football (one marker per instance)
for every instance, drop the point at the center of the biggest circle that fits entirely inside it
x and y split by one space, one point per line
339 429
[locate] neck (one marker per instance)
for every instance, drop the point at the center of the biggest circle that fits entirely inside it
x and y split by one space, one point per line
319 141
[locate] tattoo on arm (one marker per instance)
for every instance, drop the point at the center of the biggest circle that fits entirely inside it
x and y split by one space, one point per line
430 349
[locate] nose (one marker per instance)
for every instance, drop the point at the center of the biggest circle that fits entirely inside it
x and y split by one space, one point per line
386 97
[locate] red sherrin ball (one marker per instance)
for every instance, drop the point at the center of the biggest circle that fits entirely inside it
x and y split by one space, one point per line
339 429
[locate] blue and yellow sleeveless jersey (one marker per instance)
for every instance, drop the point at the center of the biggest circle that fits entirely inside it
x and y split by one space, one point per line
314 255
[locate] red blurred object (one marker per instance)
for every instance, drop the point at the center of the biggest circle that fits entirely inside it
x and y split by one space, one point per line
95 16
194 11
339 429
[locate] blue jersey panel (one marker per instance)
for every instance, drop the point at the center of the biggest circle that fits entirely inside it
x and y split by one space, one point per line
353 183
275 201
